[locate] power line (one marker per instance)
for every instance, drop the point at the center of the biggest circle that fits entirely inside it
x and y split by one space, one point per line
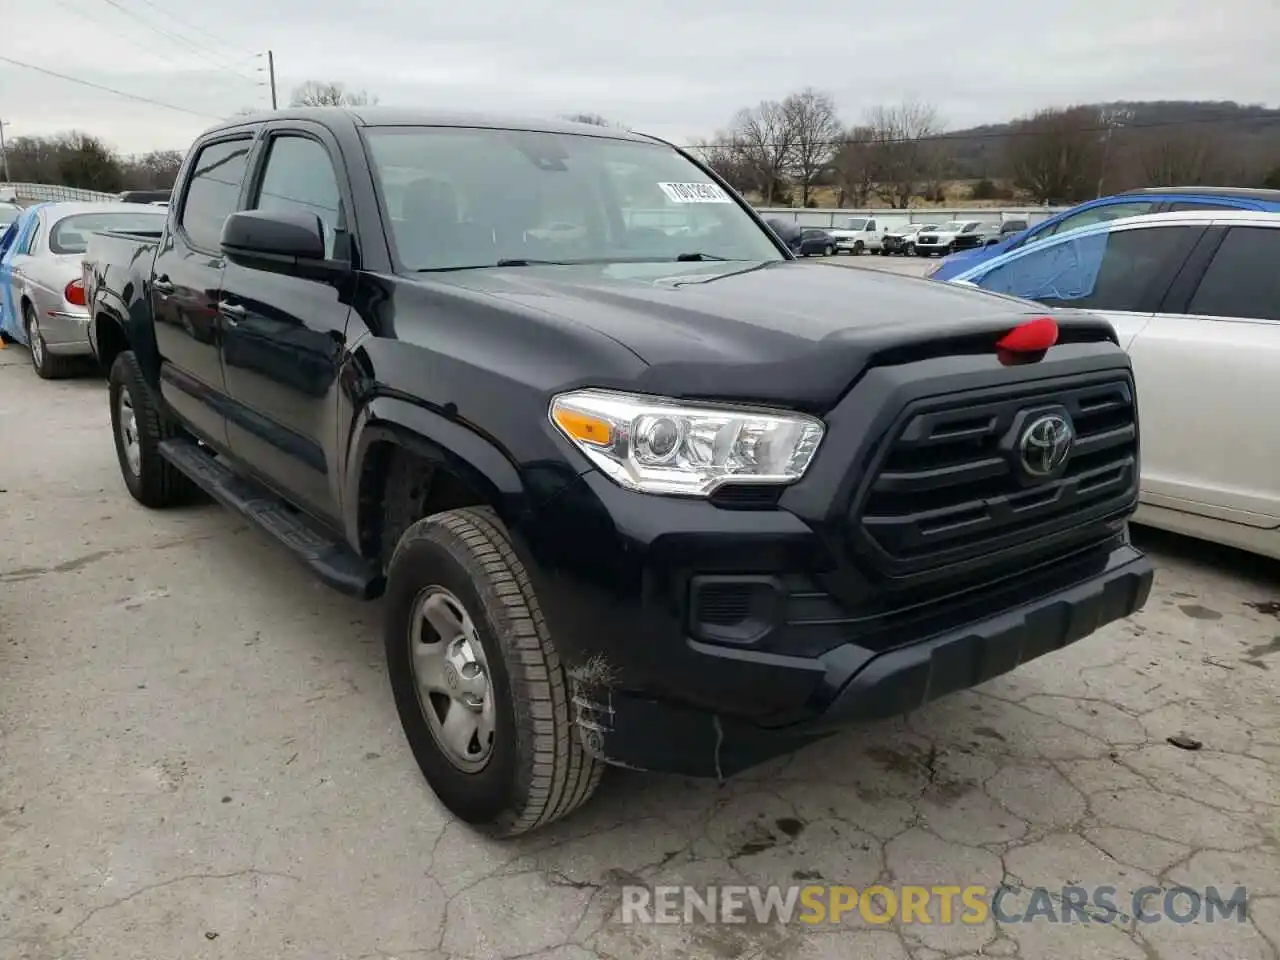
134 41
195 47
112 90
1272 117
195 28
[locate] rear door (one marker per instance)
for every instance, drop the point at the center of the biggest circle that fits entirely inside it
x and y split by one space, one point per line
186 286
1208 369
1121 274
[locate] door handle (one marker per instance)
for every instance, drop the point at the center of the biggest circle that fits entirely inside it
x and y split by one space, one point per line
162 285
233 313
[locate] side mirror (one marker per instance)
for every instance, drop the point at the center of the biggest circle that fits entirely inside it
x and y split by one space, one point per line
281 240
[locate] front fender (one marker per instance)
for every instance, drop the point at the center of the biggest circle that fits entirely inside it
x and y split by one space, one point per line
511 489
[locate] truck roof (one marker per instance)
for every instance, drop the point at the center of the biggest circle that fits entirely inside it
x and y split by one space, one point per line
362 116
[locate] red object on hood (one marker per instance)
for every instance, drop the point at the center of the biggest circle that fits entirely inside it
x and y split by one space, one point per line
1034 336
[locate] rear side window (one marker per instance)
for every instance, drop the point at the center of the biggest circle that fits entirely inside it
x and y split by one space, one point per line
1200 205
1105 271
214 191
1242 280
1098 214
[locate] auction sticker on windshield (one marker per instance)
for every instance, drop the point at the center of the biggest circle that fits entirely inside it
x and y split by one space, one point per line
694 193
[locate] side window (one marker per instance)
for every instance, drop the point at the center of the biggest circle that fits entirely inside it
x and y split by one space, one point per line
6 240
871 225
1098 214
1242 280
213 191
1199 205
1104 271
299 178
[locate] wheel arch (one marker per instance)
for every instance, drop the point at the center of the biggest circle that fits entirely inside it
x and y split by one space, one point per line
477 471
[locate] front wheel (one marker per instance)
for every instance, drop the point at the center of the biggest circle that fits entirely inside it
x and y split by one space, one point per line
482 694
910 250
829 250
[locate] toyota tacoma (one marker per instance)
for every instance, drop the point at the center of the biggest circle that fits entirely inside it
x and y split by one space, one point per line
634 486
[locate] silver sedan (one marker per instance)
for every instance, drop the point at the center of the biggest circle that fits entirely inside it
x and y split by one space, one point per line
45 273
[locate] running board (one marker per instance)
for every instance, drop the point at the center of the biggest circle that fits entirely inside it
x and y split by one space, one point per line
331 560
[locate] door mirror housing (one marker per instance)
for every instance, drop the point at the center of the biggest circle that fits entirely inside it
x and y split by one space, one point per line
281 241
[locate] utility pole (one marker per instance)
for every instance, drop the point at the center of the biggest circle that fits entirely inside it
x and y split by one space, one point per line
4 151
271 70
1113 118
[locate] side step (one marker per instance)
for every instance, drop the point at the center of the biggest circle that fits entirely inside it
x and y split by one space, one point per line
329 559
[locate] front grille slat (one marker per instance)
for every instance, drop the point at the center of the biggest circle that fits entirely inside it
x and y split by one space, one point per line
949 486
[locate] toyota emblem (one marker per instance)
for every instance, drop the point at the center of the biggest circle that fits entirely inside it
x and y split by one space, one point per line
1046 444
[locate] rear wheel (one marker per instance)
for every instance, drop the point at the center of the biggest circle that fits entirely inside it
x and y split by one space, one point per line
828 250
482 695
47 365
139 427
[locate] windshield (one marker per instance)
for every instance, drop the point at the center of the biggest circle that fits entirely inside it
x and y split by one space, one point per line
951 226
857 224
466 197
71 234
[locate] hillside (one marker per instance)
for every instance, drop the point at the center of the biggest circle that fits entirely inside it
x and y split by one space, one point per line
1252 130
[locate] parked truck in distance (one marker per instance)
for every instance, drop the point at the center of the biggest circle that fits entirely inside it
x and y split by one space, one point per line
626 500
858 235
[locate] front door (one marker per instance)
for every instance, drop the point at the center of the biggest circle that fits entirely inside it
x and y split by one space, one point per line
185 288
284 336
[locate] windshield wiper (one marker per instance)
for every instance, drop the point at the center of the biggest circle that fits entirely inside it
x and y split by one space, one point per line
525 262
695 257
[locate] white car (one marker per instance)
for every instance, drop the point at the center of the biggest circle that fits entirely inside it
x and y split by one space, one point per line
942 241
858 235
1194 298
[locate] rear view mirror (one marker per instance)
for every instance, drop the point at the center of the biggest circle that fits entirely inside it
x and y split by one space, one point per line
284 240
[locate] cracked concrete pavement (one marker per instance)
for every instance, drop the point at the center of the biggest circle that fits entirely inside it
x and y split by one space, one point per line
199 758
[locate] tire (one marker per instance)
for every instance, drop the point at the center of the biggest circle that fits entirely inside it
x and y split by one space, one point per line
829 250
858 248
138 422
909 250
524 766
46 365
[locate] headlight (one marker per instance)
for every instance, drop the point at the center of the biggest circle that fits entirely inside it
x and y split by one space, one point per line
656 445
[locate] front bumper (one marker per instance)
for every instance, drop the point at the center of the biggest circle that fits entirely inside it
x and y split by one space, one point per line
654 690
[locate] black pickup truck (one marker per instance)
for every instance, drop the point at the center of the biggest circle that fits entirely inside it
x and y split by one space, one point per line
635 487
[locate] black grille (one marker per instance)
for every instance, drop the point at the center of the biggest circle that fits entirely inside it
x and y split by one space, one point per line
951 486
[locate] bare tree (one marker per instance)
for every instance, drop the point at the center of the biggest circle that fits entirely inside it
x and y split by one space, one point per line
767 139
1056 154
815 125
901 137
316 93
855 167
726 157
592 118
1177 158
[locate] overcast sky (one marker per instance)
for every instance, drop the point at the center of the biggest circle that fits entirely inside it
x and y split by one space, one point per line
678 70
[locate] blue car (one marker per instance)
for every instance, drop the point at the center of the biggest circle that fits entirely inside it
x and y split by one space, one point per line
1131 203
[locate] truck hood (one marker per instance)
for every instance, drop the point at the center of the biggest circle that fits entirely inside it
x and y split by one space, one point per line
783 332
